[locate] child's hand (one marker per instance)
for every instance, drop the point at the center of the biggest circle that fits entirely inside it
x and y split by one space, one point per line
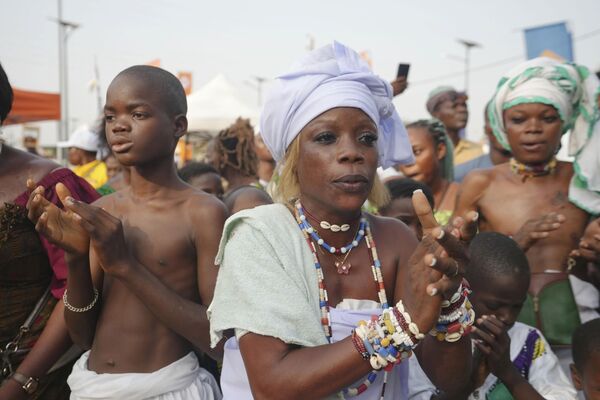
480 370
589 245
61 227
492 340
106 236
466 228
537 228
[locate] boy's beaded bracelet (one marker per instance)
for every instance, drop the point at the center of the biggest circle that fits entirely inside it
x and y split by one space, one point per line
80 309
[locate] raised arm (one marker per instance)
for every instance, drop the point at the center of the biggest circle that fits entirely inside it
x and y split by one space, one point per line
444 363
470 192
84 296
64 229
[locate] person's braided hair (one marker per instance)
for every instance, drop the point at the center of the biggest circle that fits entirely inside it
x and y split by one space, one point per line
234 146
437 131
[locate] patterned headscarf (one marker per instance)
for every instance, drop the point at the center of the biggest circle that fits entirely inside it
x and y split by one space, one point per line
573 91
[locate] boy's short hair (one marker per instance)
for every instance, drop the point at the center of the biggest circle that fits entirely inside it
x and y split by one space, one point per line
6 95
194 169
403 188
586 340
493 255
168 87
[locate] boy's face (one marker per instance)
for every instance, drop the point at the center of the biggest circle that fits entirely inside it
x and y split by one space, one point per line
210 183
501 296
588 380
402 209
139 129
533 131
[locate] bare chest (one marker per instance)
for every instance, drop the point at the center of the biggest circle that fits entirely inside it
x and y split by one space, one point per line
505 207
160 240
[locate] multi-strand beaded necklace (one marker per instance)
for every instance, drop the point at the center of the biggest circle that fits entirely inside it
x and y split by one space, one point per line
530 171
313 239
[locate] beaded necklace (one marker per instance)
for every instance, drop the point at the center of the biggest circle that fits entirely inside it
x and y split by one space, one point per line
529 171
324 298
305 225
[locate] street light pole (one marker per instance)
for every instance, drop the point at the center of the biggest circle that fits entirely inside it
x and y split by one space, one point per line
468 46
64 29
62 131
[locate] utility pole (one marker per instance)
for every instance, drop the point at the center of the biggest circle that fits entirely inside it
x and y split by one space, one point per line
257 83
468 46
64 29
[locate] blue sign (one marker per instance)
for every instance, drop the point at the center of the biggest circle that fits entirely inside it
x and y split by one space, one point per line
549 40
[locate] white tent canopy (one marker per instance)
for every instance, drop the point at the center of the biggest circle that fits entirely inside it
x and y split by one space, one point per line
217 105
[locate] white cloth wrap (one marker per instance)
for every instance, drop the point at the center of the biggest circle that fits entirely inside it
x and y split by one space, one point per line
344 318
329 77
573 91
183 379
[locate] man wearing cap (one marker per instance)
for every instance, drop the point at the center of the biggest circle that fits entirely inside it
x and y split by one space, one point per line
83 147
450 107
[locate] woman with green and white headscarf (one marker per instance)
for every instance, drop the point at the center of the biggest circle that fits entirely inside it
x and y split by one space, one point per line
543 203
573 91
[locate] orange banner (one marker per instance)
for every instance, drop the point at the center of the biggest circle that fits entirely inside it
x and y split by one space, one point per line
154 63
33 106
185 77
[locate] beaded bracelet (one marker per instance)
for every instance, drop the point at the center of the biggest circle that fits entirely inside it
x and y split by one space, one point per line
80 309
456 317
360 346
388 339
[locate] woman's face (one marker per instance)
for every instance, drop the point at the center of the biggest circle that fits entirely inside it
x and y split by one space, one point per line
533 131
337 160
427 156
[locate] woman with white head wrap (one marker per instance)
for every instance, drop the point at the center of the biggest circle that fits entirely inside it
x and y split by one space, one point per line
292 276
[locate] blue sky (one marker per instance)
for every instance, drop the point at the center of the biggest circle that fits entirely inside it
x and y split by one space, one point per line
242 39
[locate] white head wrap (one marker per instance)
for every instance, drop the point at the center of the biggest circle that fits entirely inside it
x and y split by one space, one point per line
573 91
329 77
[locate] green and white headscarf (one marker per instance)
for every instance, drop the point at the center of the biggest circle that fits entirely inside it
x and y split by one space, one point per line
573 91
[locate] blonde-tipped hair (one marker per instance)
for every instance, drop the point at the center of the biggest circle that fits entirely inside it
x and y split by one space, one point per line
287 189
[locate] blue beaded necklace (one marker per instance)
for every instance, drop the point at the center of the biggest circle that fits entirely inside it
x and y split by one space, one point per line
304 224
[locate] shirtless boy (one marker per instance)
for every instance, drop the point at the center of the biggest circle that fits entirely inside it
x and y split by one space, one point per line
150 256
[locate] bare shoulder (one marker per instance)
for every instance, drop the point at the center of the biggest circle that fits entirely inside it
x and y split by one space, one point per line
204 210
392 229
247 197
36 166
480 179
